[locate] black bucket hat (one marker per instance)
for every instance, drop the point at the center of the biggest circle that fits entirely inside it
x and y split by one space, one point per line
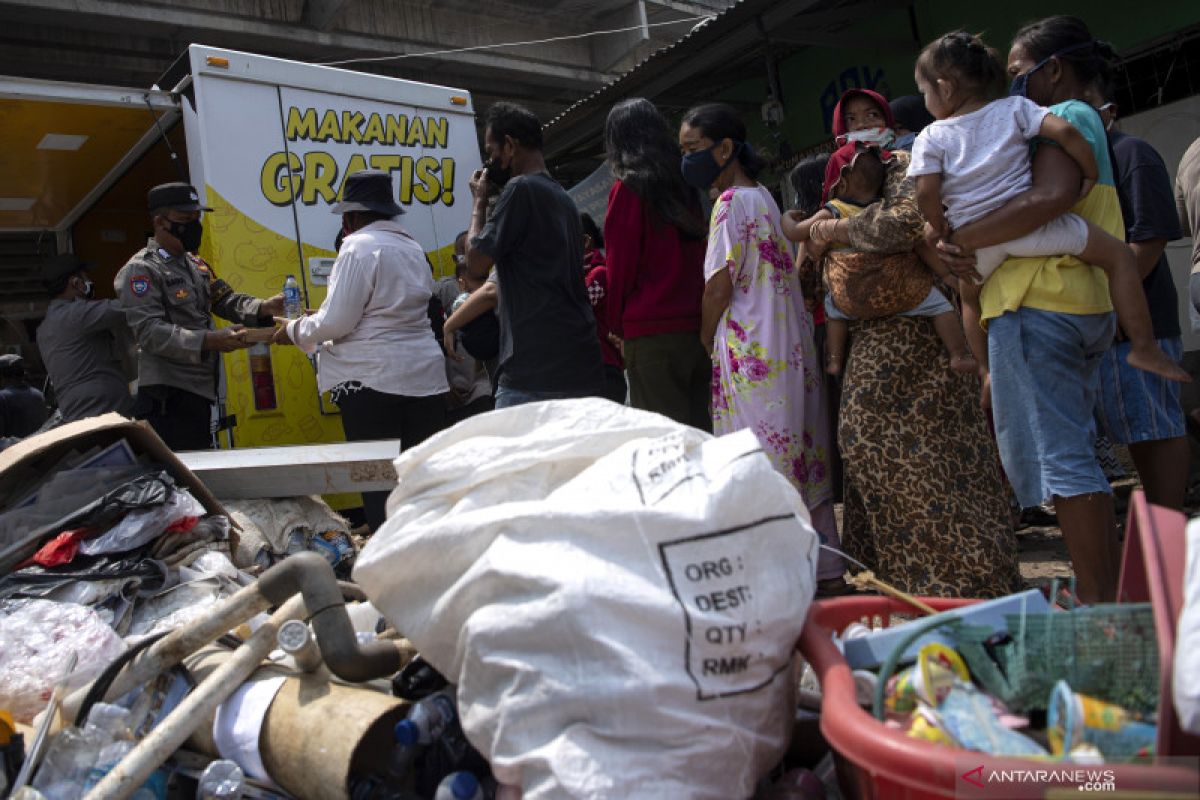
368 190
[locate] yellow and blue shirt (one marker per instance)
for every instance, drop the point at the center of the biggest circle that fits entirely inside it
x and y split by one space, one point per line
1064 284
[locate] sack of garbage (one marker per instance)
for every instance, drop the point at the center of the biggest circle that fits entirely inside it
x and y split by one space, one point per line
273 529
617 597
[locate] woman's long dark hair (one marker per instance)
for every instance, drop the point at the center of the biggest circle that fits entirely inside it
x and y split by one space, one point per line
718 121
1052 35
644 156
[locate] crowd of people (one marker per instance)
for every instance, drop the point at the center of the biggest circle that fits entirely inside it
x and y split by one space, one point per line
968 289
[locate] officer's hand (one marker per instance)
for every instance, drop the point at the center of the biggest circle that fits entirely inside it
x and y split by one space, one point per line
226 340
272 307
281 332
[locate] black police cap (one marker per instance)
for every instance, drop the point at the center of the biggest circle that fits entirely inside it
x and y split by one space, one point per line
177 196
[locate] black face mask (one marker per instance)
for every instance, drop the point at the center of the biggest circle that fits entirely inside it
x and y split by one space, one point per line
188 234
497 175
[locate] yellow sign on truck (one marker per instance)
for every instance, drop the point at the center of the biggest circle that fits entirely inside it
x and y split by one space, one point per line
268 143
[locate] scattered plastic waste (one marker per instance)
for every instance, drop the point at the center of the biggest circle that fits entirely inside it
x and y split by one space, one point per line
1075 719
221 780
970 718
407 737
36 640
79 758
929 680
459 786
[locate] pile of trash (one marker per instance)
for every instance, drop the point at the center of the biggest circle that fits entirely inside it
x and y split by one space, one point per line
569 599
103 545
108 547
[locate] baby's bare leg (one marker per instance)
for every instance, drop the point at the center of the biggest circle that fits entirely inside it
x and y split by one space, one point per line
976 335
837 332
1125 285
950 329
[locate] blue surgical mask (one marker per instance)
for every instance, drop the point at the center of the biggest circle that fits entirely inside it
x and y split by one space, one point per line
1020 84
700 169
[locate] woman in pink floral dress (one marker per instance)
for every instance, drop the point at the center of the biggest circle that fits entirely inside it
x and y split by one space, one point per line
754 322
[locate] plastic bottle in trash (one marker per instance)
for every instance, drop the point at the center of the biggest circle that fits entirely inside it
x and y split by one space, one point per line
221 780
459 786
432 715
407 740
292 307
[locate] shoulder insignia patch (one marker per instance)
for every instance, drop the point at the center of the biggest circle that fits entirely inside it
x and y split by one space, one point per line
139 285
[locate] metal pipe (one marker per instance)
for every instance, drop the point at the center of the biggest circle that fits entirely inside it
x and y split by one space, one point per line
178 644
307 573
297 641
311 574
139 764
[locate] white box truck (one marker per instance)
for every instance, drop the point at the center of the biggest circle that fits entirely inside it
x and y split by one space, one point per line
268 144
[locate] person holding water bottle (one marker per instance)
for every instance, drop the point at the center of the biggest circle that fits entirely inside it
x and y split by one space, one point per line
380 360
169 296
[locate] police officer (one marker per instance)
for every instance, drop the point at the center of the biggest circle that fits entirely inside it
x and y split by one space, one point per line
169 296
86 344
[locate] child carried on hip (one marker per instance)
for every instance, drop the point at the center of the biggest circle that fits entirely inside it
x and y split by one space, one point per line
976 157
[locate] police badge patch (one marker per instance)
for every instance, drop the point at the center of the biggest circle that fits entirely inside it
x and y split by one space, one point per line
139 285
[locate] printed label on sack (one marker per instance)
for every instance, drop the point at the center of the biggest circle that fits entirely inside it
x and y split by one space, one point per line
717 580
661 466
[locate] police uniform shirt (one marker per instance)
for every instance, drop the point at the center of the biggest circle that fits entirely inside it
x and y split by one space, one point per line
83 345
169 302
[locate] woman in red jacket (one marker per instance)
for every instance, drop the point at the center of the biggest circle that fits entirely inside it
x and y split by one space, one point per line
655 237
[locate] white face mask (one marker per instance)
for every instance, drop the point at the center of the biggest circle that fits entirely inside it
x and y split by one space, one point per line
880 137
1111 107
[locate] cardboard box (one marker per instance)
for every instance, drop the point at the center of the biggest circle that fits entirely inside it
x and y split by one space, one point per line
43 451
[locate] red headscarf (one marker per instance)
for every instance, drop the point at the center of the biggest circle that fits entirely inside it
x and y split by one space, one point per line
839 122
844 155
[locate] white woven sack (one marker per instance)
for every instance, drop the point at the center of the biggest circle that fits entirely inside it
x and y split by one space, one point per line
617 597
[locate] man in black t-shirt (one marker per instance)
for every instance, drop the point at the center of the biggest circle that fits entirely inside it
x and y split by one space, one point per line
548 344
1136 408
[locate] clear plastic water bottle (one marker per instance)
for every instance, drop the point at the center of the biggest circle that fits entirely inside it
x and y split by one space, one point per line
221 780
432 715
404 750
292 306
459 786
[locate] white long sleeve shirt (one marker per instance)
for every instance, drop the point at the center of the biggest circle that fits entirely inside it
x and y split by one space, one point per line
374 321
